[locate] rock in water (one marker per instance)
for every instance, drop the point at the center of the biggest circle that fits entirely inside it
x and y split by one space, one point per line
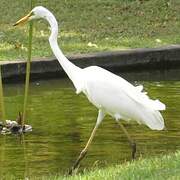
27 128
12 127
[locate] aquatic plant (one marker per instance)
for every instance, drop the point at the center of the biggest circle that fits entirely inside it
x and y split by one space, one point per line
28 69
2 109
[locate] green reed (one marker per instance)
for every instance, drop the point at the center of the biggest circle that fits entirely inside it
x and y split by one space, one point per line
28 69
2 109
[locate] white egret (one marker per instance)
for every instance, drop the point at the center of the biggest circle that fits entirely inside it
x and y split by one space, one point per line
110 93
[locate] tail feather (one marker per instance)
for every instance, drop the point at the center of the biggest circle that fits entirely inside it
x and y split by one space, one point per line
143 98
157 105
158 122
153 119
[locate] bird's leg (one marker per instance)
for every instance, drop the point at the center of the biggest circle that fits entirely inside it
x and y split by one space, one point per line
84 151
131 141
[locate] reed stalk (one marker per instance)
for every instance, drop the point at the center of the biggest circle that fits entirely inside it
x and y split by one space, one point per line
2 109
28 69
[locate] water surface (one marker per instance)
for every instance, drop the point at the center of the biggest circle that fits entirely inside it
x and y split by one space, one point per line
62 122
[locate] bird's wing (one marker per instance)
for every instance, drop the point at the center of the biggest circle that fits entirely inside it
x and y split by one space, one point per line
119 97
135 93
139 88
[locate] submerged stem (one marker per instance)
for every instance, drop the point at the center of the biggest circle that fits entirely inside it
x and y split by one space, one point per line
2 109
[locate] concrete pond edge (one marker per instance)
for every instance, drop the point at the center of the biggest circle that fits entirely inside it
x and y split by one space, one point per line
116 61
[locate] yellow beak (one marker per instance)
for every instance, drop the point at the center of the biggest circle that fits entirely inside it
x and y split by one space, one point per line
23 20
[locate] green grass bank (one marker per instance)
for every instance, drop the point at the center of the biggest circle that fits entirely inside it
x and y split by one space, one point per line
156 168
166 167
91 26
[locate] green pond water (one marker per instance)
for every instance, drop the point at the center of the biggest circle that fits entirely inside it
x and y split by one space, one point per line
62 122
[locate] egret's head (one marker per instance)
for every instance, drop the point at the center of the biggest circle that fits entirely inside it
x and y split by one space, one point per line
36 13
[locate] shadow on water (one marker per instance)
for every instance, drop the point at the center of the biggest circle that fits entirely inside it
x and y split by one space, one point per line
62 122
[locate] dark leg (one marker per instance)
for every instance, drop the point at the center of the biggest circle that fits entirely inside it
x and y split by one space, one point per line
132 143
84 151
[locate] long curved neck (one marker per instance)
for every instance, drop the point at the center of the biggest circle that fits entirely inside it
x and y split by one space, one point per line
71 70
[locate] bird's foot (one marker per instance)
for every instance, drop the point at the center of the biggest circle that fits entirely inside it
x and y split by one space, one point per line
75 167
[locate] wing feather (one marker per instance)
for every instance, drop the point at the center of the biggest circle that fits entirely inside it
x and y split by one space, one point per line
134 92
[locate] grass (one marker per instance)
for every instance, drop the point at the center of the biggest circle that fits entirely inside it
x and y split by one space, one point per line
166 167
109 24
160 168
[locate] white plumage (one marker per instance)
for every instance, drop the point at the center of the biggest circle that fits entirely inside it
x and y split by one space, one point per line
120 99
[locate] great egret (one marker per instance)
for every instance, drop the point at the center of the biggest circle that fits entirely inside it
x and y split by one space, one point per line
110 93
